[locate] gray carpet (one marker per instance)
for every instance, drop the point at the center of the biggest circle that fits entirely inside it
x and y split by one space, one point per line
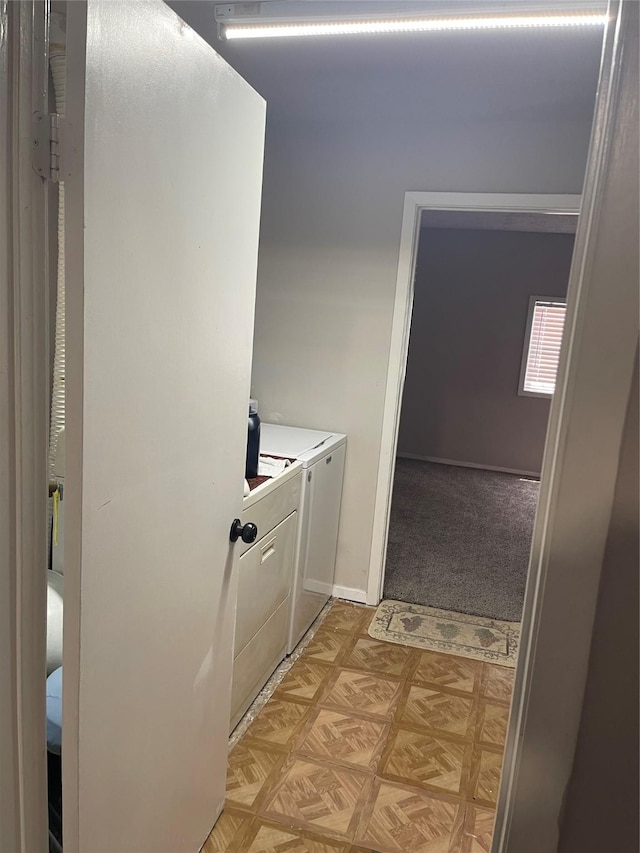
459 539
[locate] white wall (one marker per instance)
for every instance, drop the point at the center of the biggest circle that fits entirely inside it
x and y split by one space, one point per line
332 207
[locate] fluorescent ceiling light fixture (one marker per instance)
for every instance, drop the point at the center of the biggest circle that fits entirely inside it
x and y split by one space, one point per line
409 25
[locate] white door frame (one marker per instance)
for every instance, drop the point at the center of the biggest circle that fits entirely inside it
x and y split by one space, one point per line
24 383
414 205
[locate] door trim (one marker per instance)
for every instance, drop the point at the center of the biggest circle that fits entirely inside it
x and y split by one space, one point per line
414 204
24 383
588 414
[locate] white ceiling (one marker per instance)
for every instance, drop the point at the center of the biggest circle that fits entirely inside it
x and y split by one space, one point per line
502 74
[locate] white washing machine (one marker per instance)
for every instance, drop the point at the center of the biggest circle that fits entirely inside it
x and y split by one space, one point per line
322 455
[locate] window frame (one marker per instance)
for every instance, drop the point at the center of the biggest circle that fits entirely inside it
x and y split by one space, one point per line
527 343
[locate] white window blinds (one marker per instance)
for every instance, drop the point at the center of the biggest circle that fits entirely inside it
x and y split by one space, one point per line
542 347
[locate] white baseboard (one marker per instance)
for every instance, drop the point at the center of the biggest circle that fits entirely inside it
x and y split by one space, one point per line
319 587
350 593
533 474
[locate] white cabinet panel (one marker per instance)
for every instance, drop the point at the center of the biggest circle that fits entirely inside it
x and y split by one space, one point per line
255 663
325 488
270 509
265 573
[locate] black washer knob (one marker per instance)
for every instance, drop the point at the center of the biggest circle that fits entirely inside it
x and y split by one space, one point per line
247 532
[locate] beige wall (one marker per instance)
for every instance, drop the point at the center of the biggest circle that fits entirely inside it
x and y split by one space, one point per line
331 218
472 291
601 812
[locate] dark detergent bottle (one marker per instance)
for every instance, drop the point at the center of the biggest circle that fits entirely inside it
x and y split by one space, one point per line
253 441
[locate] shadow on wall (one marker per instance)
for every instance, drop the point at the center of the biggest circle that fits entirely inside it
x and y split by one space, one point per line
472 290
600 815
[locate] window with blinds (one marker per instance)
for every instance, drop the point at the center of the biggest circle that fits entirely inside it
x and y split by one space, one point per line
545 325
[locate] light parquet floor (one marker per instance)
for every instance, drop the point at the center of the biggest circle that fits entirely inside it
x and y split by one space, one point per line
369 747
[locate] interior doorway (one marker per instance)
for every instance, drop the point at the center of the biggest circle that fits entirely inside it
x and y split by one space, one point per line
487 318
445 213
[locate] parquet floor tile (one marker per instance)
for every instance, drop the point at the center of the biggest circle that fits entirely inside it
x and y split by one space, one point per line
278 721
497 682
448 671
426 759
375 656
369 613
343 738
362 691
492 723
486 769
478 830
399 819
317 796
345 617
271 838
249 766
326 646
369 747
445 712
304 679
225 835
